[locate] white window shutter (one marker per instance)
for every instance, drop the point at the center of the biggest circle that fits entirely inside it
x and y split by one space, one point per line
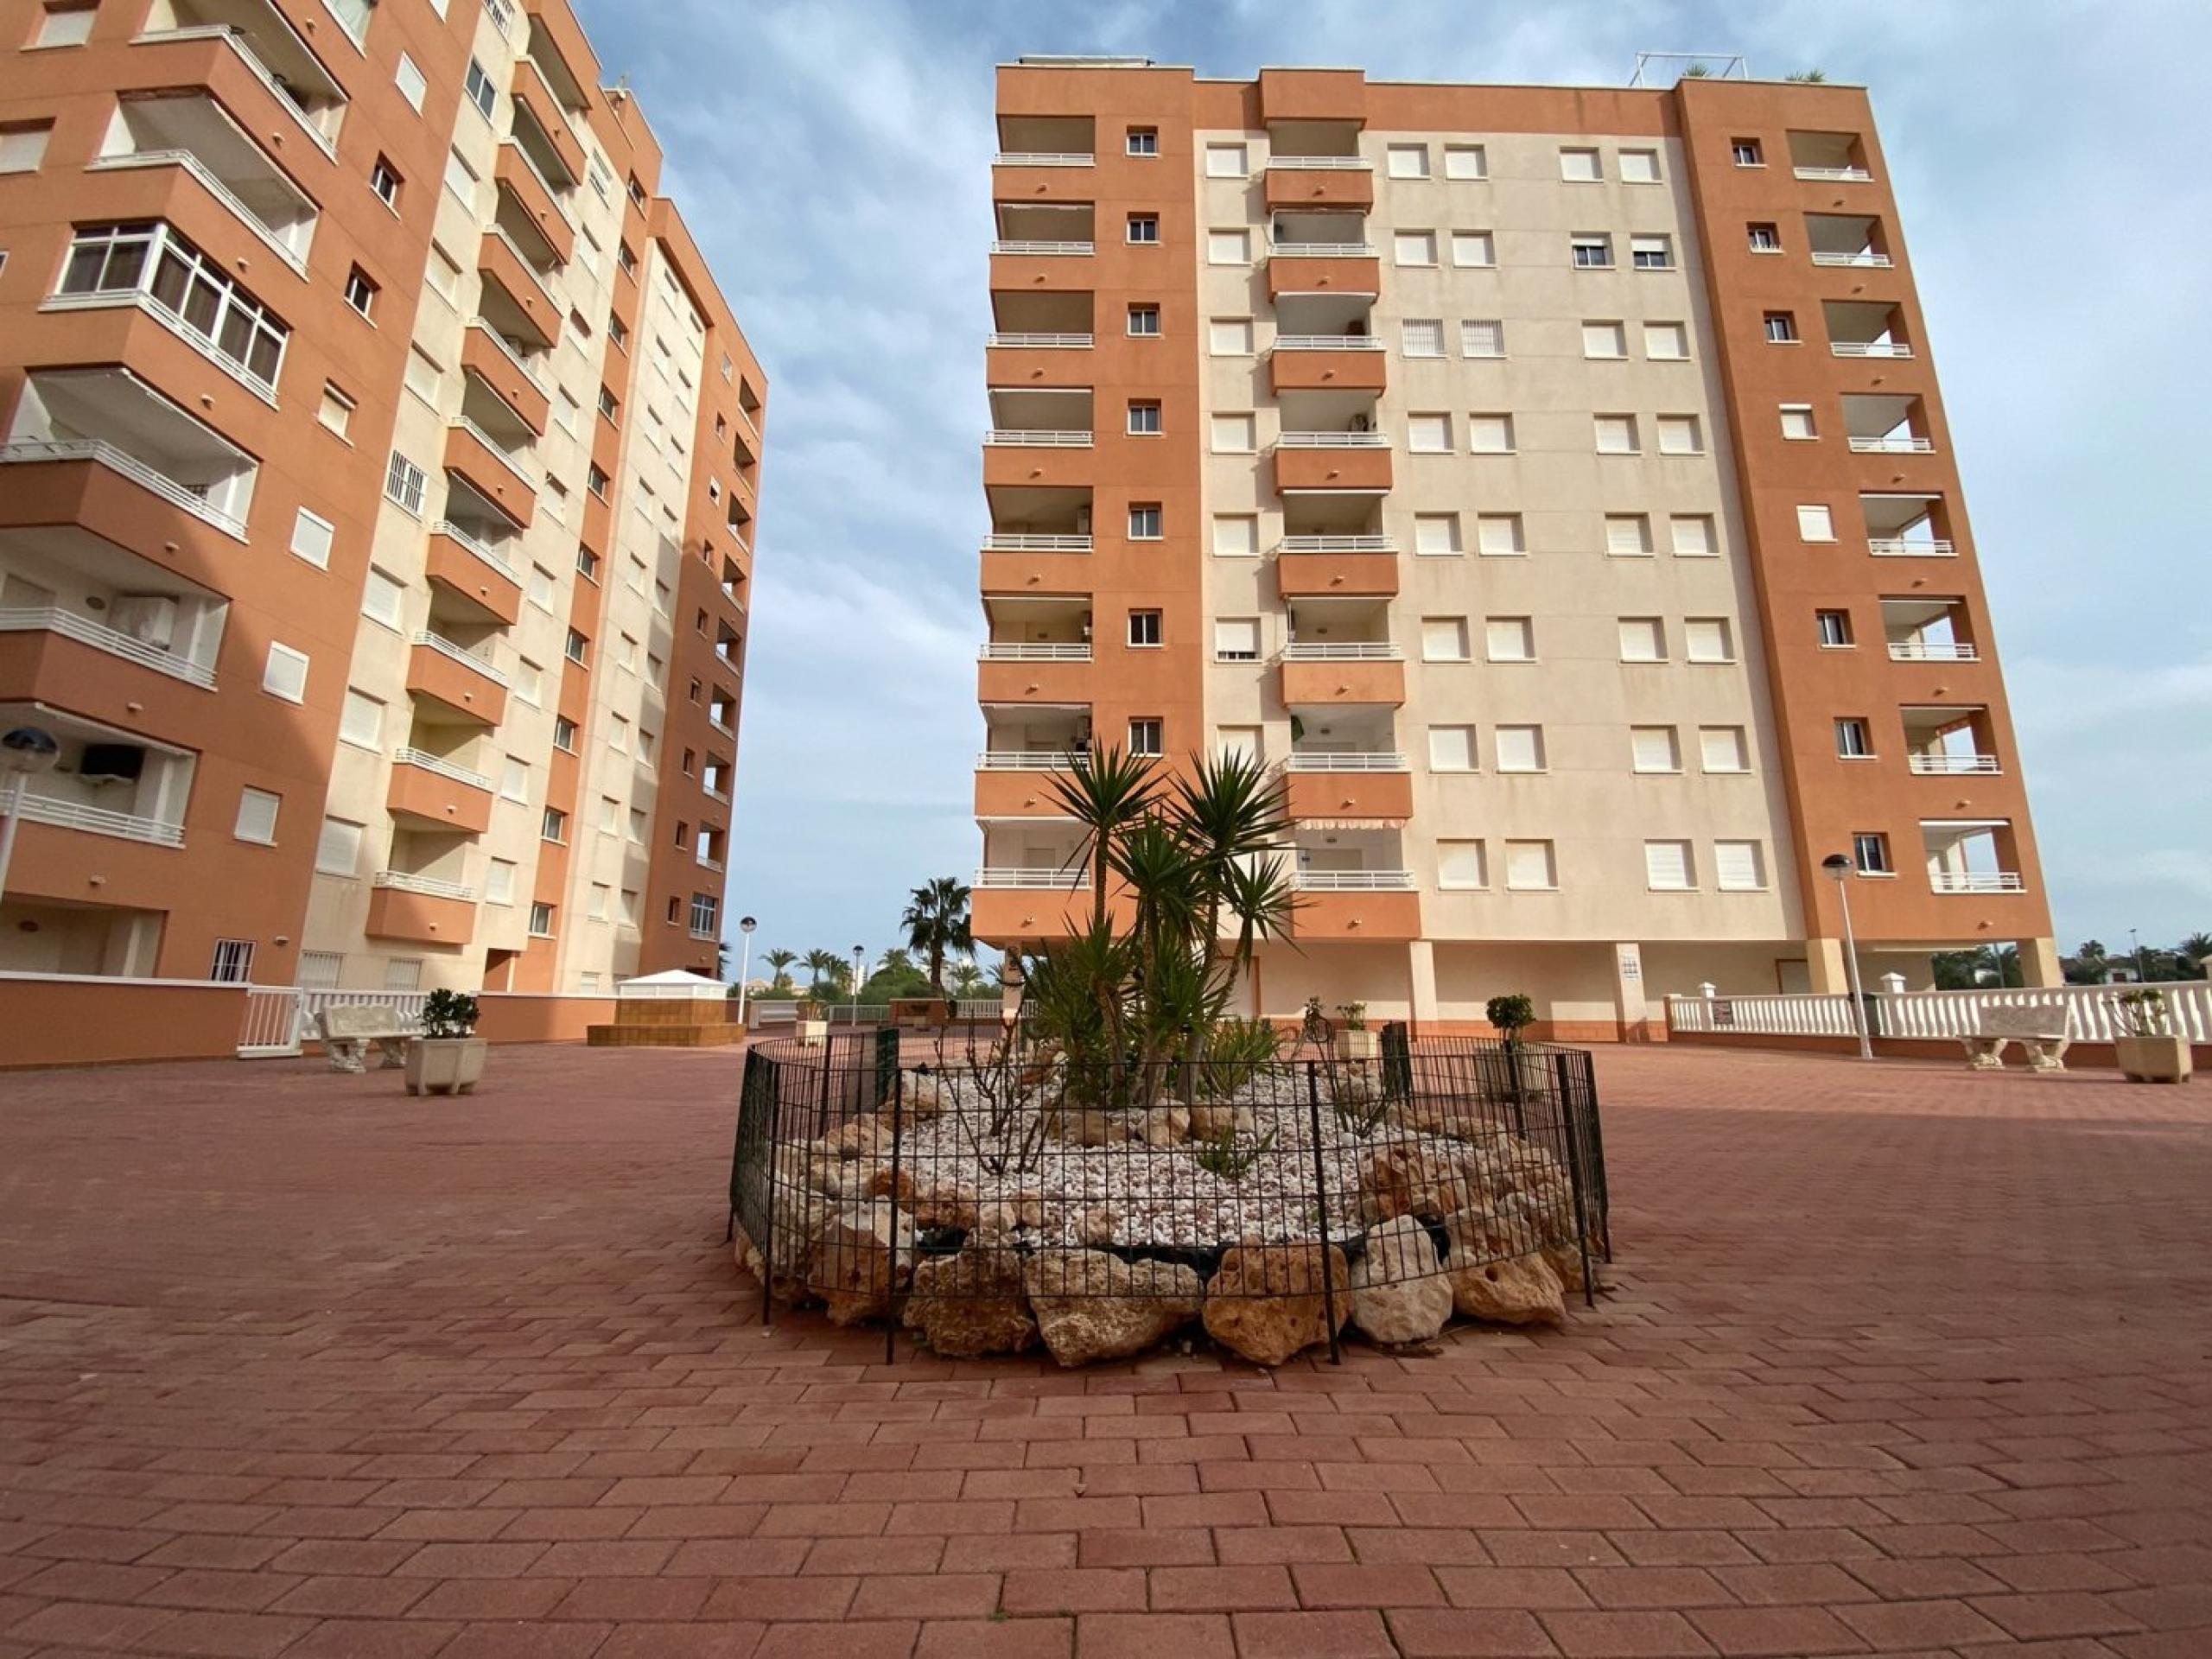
1739 866
1654 747
1461 864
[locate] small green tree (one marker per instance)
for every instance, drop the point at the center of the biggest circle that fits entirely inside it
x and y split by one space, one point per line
1511 1015
447 1014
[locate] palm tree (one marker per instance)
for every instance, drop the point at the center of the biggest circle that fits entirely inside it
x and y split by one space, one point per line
968 981
1809 77
2193 953
936 920
827 967
779 964
1105 791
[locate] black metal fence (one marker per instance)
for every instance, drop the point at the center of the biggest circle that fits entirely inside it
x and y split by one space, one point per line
976 1194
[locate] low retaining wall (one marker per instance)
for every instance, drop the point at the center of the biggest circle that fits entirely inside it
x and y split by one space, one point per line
2080 1057
525 1017
61 1020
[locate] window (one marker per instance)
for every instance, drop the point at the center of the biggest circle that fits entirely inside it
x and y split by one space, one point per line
461 178
1833 629
312 536
1643 639
1722 748
1145 739
1510 640
1461 865
1666 342
1144 319
1739 866
587 565
384 179
65 26
1451 748
1413 247
538 586
1406 161
421 376
1529 867
335 411
1579 166
1869 851
564 733
1143 228
1421 337
234 962
361 722
1144 628
1679 436
321 970
256 818
1519 748
1228 247
1797 420
601 896
1144 522
541 920
1745 152
383 598
1615 434
1815 523
632 907
1651 252
477 88
190 291
1236 537
1667 867
1628 535
360 292
638 826
514 779
1144 418
530 681
1230 337
1443 639
1854 740
1465 161
411 83
554 825
1693 537
338 849
1764 237
1498 535
1707 639
1489 435
1639 167
1482 337
1604 340
1237 640
1476 248
1428 434
1436 534
23 145
1653 748
1235 434
618 331
596 481
626 257
1225 162
576 648
706 911
1781 327
1143 141
285 673
1592 251
609 406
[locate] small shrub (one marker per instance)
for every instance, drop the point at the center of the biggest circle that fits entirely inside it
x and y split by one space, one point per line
2143 1013
1222 1156
1355 1015
1511 1015
1359 1105
1235 1050
448 1014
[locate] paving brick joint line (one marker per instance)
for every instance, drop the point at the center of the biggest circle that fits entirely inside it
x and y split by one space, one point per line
1896 1359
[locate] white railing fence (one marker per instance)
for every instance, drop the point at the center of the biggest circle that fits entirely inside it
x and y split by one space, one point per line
280 1018
2091 1016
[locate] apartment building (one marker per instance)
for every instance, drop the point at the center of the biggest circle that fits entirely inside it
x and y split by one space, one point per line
1552 483
379 464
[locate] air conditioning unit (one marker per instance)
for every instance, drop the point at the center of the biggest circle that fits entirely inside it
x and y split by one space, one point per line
151 618
112 763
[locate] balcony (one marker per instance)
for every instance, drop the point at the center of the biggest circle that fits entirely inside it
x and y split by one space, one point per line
513 301
1035 150
133 648
452 683
1319 182
1334 461
423 909
1029 230
1341 677
39 808
518 177
1041 878
153 268
501 370
110 420
1321 253
497 474
105 782
1886 424
1932 630
476 577
433 793
1337 567
1016 540
1828 157
541 113
1949 741
1852 241
1905 525
1327 777
194 133
1326 342
261 38
1356 914
1866 328
1971 855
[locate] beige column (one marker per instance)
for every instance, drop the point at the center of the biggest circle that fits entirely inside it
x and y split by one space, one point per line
1420 974
1825 966
1629 1004
2039 961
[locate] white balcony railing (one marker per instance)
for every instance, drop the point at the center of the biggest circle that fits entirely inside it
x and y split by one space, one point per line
1355 880
1327 343
1343 760
428 762
1021 245
1032 652
523 259
462 655
552 195
100 821
1344 651
1835 174
1042 158
1322 163
430 885
214 186
1333 441
1893 446
455 533
1337 544
512 355
1041 342
49 618
504 456
502 14
1866 257
1035 438
1903 547
1869 348
28 451
1024 761
1919 651
1003 541
1322 250
1042 877
1975 882
1953 766
236 41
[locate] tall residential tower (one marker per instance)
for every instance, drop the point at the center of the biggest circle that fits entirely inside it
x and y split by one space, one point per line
1552 483
377 467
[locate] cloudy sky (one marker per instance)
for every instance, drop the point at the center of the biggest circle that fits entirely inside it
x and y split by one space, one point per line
833 158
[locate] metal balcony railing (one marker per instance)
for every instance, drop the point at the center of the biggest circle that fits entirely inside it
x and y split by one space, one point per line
1354 880
428 762
1866 257
1322 250
49 618
499 450
1023 760
1028 651
1333 441
1033 341
1022 246
510 354
1040 877
1869 348
1953 766
1327 343
1975 882
1916 650
1025 438
1345 761
1903 547
430 885
498 562
1001 541
1337 544
101 821
1893 446
462 655
1322 163
122 460
1835 174
1343 650
1042 158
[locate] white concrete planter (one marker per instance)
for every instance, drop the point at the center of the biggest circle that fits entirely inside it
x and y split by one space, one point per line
2154 1059
1359 1044
444 1065
813 1031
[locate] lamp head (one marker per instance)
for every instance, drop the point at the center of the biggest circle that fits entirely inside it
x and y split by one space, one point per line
745 923
29 749
1837 865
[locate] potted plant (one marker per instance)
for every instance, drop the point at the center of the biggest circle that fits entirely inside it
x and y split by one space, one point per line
1511 1015
2149 1048
447 1058
813 1020
1354 1041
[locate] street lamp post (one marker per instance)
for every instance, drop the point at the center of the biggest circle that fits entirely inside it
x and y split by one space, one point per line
1839 868
2135 937
23 752
745 926
859 958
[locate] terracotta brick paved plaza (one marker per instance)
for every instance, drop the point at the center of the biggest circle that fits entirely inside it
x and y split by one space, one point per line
1899 1359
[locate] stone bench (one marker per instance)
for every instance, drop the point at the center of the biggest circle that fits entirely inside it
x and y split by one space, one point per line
2038 1027
348 1029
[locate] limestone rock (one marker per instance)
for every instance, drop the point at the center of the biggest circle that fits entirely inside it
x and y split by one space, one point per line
945 1204
923 1098
1212 1122
1100 1222
1166 1126
883 1181
1265 1301
1399 1291
1011 1210
1502 1289
861 1255
1090 1305
863 1137
971 1303
1397 1180
1567 1261
1087 1126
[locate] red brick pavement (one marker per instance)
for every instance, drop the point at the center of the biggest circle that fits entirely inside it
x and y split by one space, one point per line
1897 1359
